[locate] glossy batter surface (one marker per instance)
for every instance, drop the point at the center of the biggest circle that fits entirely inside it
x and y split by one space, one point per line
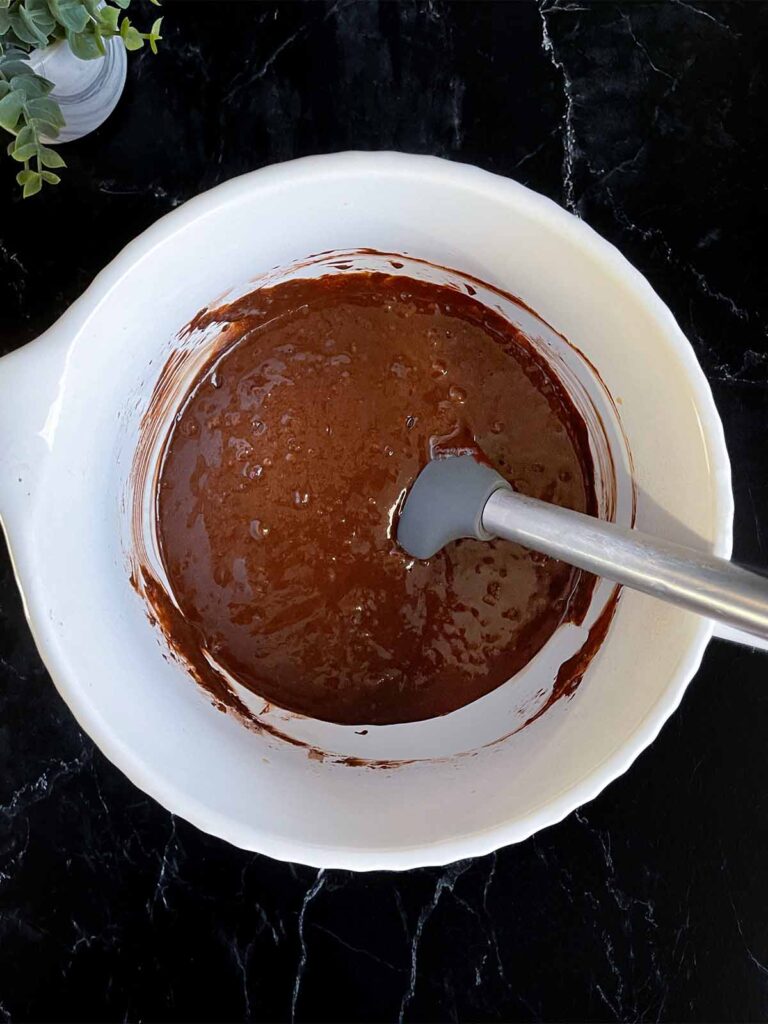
279 494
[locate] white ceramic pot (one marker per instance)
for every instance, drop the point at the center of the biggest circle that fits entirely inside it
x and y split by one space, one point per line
87 91
70 406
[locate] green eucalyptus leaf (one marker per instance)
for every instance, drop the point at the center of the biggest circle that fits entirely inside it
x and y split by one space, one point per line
84 45
12 46
5 4
46 109
23 32
124 4
40 11
37 18
5 88
50 158
50 177
70 14
33 184
23 176
16 52
10 110
132 39
108 16
11 66
24 137
11 39
25 153
5 20
43 128
26 145
154 35
31 86
92 6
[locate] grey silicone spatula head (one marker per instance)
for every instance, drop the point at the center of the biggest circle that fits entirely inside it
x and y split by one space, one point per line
446 503
458 496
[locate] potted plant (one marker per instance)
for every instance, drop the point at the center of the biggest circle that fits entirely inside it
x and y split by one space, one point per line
62 69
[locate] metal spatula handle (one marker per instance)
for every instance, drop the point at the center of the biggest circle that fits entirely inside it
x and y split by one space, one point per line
710 586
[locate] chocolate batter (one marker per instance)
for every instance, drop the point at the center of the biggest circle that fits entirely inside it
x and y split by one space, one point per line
282 479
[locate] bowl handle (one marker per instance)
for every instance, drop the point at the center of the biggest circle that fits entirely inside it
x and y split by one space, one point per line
31 383
738 636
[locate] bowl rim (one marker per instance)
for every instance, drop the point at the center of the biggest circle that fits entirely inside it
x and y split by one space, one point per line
407 166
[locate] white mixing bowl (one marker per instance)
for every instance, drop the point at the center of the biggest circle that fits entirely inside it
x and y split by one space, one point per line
70 410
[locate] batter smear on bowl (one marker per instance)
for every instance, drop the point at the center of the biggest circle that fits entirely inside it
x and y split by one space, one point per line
281 481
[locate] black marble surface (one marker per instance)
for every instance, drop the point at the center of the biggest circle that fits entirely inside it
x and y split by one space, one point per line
649 121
